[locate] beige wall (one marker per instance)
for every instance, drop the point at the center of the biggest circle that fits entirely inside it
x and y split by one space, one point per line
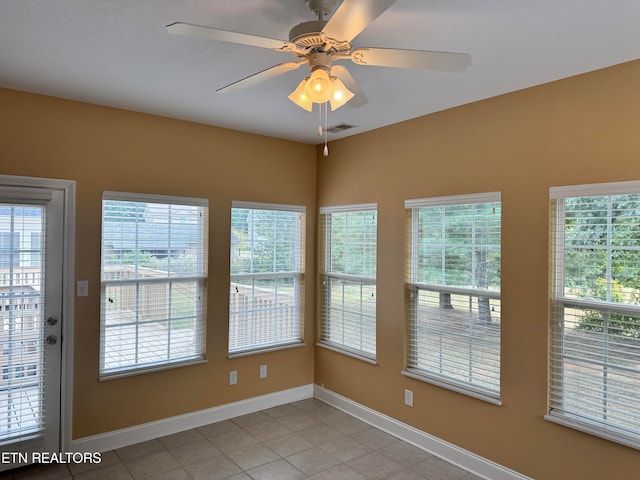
109 149
579 130
584 129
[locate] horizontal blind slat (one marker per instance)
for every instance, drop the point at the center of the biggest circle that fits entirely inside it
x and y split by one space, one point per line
595 331
348 282
267 276
154 268
23 358
453 291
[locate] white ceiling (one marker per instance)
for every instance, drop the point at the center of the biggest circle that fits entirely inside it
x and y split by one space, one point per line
118 53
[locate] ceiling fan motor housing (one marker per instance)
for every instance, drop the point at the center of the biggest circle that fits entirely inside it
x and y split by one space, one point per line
307 35
320 60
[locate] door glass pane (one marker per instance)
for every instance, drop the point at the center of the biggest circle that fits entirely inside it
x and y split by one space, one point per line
21 322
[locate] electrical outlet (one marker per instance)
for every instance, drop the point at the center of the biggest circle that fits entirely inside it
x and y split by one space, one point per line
408 398
233 377
263 371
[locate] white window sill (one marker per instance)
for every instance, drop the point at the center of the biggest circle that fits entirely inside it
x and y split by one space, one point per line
348 352
451 385
258 351
154 368
593 429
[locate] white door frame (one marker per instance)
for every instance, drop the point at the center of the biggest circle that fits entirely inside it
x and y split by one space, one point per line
68 187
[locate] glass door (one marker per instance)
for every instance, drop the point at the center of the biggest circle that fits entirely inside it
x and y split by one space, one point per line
31 255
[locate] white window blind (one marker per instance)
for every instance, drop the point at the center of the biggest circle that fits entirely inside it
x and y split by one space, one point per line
595 316
267 259
23 359
453 289
153 282
348 283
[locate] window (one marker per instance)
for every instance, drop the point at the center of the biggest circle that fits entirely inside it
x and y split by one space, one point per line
453 290
153 282
348 283
267 259
34 251
595 314
9 245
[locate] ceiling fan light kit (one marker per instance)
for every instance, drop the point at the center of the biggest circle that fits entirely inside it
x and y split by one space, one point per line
340 95
300 98
307 93
319 88
322 42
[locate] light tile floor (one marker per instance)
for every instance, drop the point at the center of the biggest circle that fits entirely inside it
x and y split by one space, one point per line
303 440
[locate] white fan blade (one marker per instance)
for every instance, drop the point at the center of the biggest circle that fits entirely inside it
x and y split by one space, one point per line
226 36
353 16
262 76
420 59
359 99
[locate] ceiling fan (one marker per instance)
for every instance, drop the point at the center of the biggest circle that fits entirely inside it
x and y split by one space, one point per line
320 43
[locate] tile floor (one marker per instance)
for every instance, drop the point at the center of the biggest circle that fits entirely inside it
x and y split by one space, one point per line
303 440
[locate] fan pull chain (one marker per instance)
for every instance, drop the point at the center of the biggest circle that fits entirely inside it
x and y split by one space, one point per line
325 151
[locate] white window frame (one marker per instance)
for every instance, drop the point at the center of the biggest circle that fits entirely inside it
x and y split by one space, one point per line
198 354
414 288
366 308
297 323
563 353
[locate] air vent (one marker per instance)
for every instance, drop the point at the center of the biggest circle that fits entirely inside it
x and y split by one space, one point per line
341 127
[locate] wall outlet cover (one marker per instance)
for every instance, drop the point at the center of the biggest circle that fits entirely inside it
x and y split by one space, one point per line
408 398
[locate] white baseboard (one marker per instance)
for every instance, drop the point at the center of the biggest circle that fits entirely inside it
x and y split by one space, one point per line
140 433
148 431
465 459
